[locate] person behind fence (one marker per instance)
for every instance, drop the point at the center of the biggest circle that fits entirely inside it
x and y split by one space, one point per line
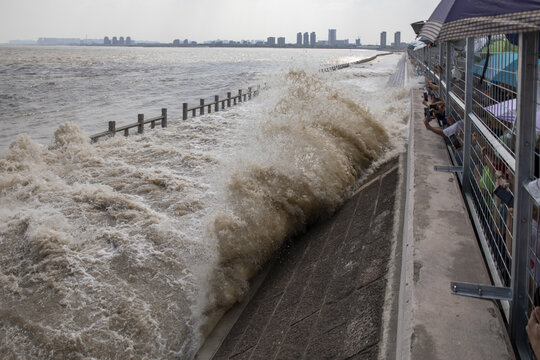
451 131
432 88
436 110
533 331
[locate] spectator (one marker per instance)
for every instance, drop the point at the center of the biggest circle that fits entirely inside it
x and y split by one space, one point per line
451 130
533 330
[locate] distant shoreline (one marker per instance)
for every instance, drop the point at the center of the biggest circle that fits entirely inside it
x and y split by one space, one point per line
291 46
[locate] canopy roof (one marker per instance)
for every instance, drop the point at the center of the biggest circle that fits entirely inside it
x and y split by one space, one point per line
456 19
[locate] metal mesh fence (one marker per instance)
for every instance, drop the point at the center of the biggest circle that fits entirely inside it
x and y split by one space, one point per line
483 76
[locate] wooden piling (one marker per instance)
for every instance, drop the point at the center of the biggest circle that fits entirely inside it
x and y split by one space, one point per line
112 127
216 101
240 95
126 132
202 106
184 111
249 93
140 121
164 116
229 99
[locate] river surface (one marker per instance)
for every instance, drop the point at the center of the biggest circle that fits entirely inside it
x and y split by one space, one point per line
133 247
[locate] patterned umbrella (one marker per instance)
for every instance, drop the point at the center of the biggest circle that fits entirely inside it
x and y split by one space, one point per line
457 19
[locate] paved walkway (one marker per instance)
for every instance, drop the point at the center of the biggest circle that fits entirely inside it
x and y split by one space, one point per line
324 297
439 246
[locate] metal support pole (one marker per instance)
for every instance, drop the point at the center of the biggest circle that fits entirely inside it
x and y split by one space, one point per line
448 79
467 128
428 59
440 47
526 123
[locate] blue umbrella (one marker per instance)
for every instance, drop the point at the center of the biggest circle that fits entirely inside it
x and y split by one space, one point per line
502 68
457 19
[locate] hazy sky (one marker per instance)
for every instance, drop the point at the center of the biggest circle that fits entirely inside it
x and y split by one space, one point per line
199 20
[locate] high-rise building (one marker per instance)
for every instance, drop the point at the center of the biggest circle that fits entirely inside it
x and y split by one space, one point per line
115 40
397 39
299 39
271 40
358 42
128 40
281 41
106 41
313 39
121 41
306 39
383 39
332 37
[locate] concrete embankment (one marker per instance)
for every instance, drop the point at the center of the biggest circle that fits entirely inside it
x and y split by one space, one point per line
324 295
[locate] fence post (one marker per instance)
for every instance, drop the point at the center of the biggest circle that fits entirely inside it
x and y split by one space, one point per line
216 100
240 95
202 106
440 64
112 127
467 121
140 120
447 107
526 136
164 116
184 111
229 99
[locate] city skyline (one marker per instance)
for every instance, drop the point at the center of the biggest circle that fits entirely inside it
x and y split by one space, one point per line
165 20
305 39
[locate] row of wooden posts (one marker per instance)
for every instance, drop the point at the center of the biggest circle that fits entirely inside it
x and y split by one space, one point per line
223 103
229 101
335 67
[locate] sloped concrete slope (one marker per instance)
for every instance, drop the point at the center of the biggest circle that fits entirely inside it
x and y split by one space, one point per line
324 296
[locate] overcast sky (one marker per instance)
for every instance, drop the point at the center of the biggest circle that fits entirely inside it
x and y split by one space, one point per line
200 20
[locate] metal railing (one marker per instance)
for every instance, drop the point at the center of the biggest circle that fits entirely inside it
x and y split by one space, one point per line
490 84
